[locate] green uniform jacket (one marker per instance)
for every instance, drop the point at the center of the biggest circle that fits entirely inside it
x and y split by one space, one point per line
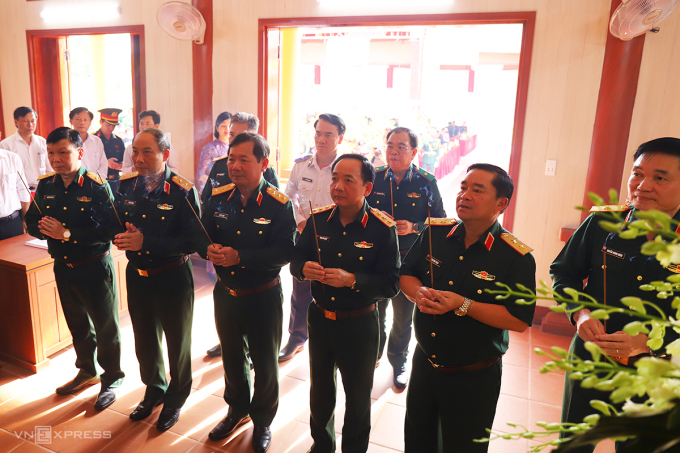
113 147
84 208
453 340
219 176
170 228
367 247
408 200
583 257
263 232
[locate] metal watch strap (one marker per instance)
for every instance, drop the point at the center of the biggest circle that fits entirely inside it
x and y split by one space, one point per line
463 309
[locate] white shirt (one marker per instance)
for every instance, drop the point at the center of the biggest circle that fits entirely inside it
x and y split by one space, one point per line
94 157
309 182
173 162
12 190
33 157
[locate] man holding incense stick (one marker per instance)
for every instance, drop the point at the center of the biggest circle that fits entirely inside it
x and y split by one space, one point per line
73 211
462 330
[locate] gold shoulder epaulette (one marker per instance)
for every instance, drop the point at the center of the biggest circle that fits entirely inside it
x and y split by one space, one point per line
303 158
434 221
223 189
382 217
384 167
278 196
323 209
183 183
516 244
220 158
134 174
95 178
610 208
48 175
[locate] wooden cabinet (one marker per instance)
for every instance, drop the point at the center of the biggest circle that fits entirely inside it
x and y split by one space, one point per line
32 324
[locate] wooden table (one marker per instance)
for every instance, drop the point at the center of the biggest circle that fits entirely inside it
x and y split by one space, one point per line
32 324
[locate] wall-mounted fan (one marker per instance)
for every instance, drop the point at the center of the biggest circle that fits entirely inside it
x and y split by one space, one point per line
635 17
181 21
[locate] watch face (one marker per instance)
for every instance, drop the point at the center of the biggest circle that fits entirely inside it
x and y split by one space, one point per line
67 234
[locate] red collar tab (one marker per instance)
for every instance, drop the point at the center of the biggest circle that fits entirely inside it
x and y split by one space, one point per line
259 198
330 216
166 187
453 230
677 230
364 219
630 214
488 242
80 180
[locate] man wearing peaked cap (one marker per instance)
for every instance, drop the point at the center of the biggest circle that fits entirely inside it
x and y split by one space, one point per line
114 148
462 330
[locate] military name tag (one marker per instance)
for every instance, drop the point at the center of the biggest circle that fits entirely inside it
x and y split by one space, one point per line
324 238
219 175
434 261
221 215
484 275
673 268
414 195
307 179
363 245
613 252
49 197
262 221
165 207
130 203
84 199
379 193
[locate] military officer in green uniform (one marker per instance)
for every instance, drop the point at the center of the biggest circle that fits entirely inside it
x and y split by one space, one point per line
403 191
252 226
157 209
114 148
355 265
462 331
598 256
73 211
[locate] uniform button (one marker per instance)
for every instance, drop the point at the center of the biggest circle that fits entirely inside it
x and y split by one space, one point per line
414 204
242 210
65 191
144 216
479 291
125 213
361 258
339 255
397 187
332 298
65 257
139 253
62 241
75 242
162 218
82 209
48 207
433 334
377 202
259 232
64 224
639 277
319 190
64 208
395 204
604 267
232 272
434 356
303 187
344 233
147 252
450 283
460 257
238 232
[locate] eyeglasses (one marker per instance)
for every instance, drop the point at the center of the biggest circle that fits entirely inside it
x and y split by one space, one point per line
401 149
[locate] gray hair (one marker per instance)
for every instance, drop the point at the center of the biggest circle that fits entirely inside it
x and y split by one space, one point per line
243 118
161 139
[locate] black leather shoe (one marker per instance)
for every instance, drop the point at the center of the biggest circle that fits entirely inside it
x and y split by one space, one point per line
215 351
169 416
106 398
262 439
400 378
144 409
226 427
289 351
76 385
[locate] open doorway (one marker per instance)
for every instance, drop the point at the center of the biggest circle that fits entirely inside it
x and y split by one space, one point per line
93 68
459 81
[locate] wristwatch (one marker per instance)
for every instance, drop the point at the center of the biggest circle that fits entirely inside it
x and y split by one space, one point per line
463 309
415 227
67 235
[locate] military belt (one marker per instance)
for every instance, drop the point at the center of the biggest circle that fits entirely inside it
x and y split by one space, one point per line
87 260
251 291
461 369
160 270
340 315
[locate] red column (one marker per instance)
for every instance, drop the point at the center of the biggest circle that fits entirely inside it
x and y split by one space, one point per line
203 83
618 87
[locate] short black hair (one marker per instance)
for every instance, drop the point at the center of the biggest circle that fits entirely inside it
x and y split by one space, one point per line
152 113
669 146
260 145
367 168
67 133
335 120
79 110
501 181
221 118
413 138
23 111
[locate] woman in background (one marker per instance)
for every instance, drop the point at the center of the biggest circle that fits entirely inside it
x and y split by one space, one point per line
217 148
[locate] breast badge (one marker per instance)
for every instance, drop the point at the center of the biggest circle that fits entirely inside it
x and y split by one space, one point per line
484 275
165 207
414 195
84 199
262 221
363 245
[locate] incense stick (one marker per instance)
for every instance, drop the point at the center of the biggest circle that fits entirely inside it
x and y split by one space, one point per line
113 205
29 194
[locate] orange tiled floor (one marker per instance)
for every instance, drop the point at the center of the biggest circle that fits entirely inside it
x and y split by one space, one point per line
28 402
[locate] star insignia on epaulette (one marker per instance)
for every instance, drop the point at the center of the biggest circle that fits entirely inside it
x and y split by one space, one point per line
434 221
223 189
382 217
183 183
323 209
278 196
610 208
134 174
516 244
48 175
95 178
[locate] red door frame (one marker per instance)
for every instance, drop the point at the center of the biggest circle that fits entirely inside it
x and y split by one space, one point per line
526 18
138 72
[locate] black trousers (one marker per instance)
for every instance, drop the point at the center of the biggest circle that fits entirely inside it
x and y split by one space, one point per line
250 324
400 333
446 412
11 228
89 298
160 304
351 346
